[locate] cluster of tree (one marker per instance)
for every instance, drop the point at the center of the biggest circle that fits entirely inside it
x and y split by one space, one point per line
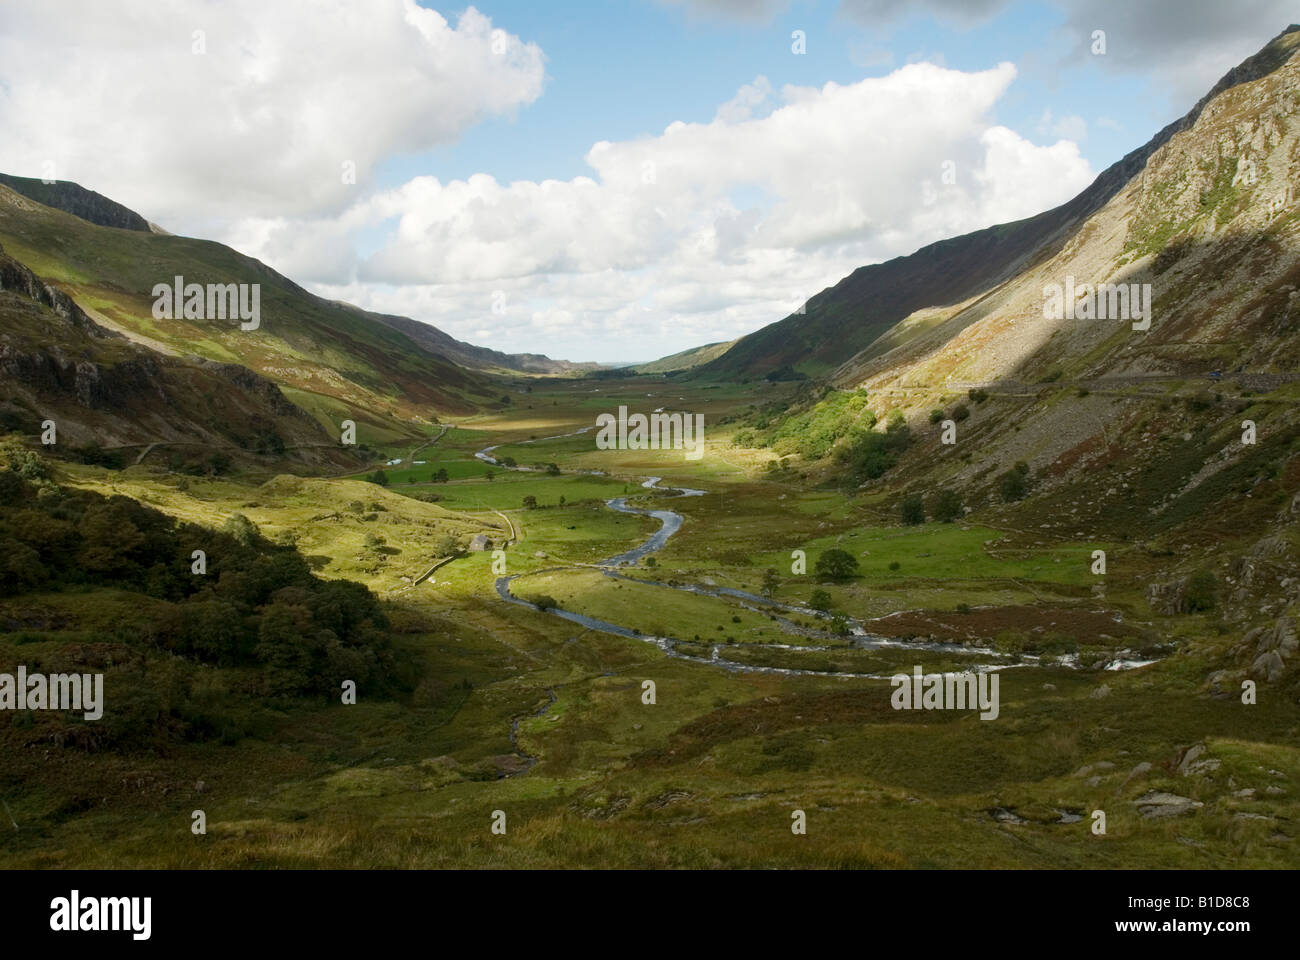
945 506
214 465
870 454
94 455
256 603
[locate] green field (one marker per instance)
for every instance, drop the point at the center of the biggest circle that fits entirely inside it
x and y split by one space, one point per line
519 710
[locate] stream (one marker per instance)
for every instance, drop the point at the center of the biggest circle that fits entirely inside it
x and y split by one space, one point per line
670 522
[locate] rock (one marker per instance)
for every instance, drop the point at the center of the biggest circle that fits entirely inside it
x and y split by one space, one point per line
1168 598
1003 815
1100 692
1268 666
1154 805
1189 757
1138 771
479 543
540 554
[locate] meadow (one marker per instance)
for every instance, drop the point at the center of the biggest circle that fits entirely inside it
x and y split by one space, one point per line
519 710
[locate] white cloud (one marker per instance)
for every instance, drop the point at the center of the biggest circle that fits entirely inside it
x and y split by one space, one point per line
652 247
263 121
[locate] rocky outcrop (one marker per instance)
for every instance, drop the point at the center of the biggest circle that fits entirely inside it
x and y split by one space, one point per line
1271 647
95 386
257 384
15 277
1168 598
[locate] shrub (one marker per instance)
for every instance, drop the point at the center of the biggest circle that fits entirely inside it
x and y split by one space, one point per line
960 412
913 509
820 600
1202 591
947 506
1013 485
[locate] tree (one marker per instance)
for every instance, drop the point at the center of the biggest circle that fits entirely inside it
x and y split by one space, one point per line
379 477
544 602
960 412
530 502
771 580
913 509
836 564
441 475
489 474
552 470
947 506
820 600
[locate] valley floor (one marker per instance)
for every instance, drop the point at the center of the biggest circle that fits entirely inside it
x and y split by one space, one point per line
761 706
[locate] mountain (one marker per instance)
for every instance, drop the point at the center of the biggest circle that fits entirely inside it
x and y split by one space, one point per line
687 359
852 316
477 358
111 400
77 200
1175 445
392 375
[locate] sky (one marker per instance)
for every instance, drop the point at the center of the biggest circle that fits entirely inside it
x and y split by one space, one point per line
600 180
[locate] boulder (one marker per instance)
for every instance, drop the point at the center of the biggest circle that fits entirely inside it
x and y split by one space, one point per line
1155 804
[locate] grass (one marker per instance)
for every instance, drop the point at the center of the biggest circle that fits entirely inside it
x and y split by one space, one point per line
707 775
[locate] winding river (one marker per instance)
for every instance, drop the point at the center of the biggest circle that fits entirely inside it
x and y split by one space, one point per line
670 522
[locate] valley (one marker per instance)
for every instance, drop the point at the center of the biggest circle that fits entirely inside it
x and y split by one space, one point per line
762 704
937 571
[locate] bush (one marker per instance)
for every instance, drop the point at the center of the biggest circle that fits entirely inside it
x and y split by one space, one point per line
1202 591
977 394
936 415
530 502
820 600
960 412
947 506
1013 485
913 510
544 602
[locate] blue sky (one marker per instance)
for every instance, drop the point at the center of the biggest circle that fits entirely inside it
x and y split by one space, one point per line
620 69
734 178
